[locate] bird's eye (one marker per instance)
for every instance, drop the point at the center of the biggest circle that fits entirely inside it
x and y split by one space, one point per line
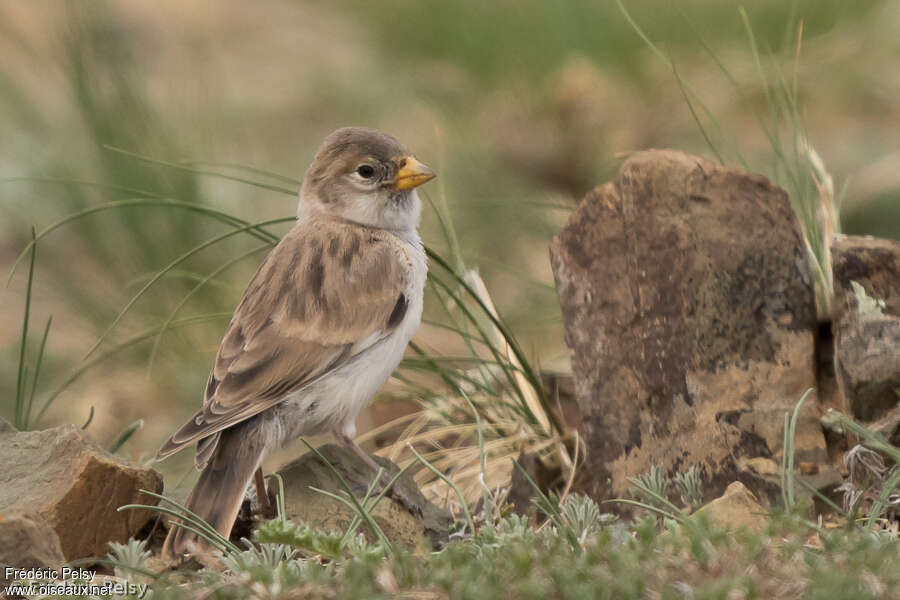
366 171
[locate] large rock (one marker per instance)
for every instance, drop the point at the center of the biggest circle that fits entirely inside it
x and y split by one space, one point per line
689 310
62 478
867 324
316 510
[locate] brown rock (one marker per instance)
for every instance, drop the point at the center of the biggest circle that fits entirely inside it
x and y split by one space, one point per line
28 542
67 480
736 508
867 324
689 309
326 514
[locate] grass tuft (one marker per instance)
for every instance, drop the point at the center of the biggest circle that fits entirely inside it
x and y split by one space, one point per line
24 399
787 455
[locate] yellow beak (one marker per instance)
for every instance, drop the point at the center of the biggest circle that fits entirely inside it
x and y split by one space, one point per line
412 174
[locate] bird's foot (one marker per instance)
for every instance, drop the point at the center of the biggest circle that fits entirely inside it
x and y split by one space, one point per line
401 497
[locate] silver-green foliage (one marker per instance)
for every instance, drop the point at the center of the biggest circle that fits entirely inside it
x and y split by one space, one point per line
690 486
267 556
652 485
583 516
133 554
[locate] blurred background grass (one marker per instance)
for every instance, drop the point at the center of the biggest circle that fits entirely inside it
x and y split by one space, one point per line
521 106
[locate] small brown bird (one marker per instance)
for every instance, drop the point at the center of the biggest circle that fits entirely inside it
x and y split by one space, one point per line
322 325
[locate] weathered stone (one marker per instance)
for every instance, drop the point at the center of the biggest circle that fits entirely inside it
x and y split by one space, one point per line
867 324
71 483
318 511
736 508
689 310
28 542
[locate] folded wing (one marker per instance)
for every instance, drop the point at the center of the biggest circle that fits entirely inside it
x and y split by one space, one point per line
324 294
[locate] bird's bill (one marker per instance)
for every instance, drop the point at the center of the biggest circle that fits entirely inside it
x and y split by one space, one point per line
413 174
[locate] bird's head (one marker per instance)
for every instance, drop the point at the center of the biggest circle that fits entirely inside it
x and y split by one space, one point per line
364 176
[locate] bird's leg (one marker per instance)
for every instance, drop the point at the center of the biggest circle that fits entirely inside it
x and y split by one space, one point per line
392 492
348 441
262 496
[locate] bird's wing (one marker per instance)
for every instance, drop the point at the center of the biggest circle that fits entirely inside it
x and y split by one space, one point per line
324 294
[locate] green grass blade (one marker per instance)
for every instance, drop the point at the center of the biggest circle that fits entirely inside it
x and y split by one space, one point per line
662 512
785 496
660 499
75 375
887 488
787 453
37 371
462 326
187 515
256 231
20 416
354 505
82 182
453 486
357 520
463 334
498 356
158 341
243 167
508 337
687 100
126 435
429 363
550 509
172 265
353 502
486 492
828 502
89 419
182 167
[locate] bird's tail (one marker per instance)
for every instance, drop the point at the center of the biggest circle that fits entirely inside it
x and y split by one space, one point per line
218 494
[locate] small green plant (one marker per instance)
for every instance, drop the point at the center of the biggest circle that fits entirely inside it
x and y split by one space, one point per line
583 516
652 486
267 557
301 538
787 455
690 487
131 556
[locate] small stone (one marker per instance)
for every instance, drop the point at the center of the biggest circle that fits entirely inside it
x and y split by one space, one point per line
61 478
760 466
736 508
27 542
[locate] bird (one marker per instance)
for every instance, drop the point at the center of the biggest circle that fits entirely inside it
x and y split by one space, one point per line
319 330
